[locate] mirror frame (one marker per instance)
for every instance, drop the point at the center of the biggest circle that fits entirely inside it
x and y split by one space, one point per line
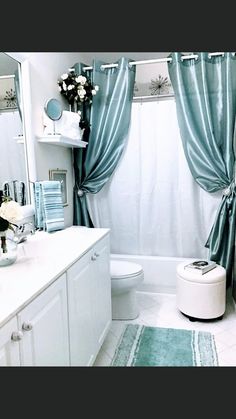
25 91
48 104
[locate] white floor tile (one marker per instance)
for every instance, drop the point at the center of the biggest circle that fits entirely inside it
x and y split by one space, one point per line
117 328
110 344
160 310
220 346
102 360
227 357
227 338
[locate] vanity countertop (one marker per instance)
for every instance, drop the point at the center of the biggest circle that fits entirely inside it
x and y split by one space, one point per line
41 259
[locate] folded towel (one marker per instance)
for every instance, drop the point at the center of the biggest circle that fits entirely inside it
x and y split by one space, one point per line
38 205
49 213
67 125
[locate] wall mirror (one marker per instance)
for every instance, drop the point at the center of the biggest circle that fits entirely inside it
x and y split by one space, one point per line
14 174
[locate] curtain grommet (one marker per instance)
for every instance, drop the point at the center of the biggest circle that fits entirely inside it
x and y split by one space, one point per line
80 193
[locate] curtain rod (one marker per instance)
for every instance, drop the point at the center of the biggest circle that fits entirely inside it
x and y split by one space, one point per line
9 76
153 97
157 60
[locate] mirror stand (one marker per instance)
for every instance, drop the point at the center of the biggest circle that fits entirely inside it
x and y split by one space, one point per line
53 110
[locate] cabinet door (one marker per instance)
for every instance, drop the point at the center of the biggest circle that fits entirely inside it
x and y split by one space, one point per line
102 291
9 349
80 303
44 323
89 301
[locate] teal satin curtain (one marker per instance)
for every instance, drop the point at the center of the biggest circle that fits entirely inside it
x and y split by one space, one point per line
81 216
109 125
205 92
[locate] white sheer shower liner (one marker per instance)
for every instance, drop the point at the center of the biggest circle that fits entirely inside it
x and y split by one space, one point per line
152 204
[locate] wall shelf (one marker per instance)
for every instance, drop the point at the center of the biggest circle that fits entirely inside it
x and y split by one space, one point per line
19 139
62 140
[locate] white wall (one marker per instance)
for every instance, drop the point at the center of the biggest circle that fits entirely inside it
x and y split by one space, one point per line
145 73
45 69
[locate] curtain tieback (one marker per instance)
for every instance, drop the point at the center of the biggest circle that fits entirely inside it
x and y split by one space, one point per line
80 193
227 191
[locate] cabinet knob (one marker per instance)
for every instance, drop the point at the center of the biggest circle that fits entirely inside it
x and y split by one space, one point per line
16 336
27 326
93 257
97 254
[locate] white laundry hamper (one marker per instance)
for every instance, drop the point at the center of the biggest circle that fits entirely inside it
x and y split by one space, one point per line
201 296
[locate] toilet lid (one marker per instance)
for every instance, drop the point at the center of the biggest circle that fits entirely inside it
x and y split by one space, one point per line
120 268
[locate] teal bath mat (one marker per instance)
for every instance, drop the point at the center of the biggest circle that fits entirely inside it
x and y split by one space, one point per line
142 346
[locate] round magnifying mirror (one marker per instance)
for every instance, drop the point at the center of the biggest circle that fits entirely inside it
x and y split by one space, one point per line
53 110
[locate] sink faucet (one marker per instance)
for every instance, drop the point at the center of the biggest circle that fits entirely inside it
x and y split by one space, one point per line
24 230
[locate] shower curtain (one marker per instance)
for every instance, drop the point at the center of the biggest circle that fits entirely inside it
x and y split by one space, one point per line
152 204
109 120
205 92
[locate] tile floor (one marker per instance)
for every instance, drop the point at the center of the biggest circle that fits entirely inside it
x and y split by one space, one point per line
160 310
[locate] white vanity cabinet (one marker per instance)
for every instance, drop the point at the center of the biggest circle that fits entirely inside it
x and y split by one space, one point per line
9 344
89 303
44 324
55 305
38 334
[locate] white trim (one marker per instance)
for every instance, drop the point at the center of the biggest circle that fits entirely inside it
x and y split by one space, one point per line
8 76
153 97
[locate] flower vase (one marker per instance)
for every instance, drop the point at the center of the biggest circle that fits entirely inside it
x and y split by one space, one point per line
73 107
8 250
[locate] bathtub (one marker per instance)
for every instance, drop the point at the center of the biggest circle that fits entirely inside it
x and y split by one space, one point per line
159 271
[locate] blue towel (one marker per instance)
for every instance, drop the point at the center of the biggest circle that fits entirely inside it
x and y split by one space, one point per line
49 212
38 205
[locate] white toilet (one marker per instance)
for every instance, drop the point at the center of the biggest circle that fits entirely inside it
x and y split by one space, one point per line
125 277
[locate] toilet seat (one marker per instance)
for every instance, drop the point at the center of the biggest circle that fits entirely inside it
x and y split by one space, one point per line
121 269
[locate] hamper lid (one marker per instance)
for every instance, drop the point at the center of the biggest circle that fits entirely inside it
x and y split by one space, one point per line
217 274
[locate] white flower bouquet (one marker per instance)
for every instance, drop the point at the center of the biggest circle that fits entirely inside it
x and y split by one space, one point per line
76 88
10 211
